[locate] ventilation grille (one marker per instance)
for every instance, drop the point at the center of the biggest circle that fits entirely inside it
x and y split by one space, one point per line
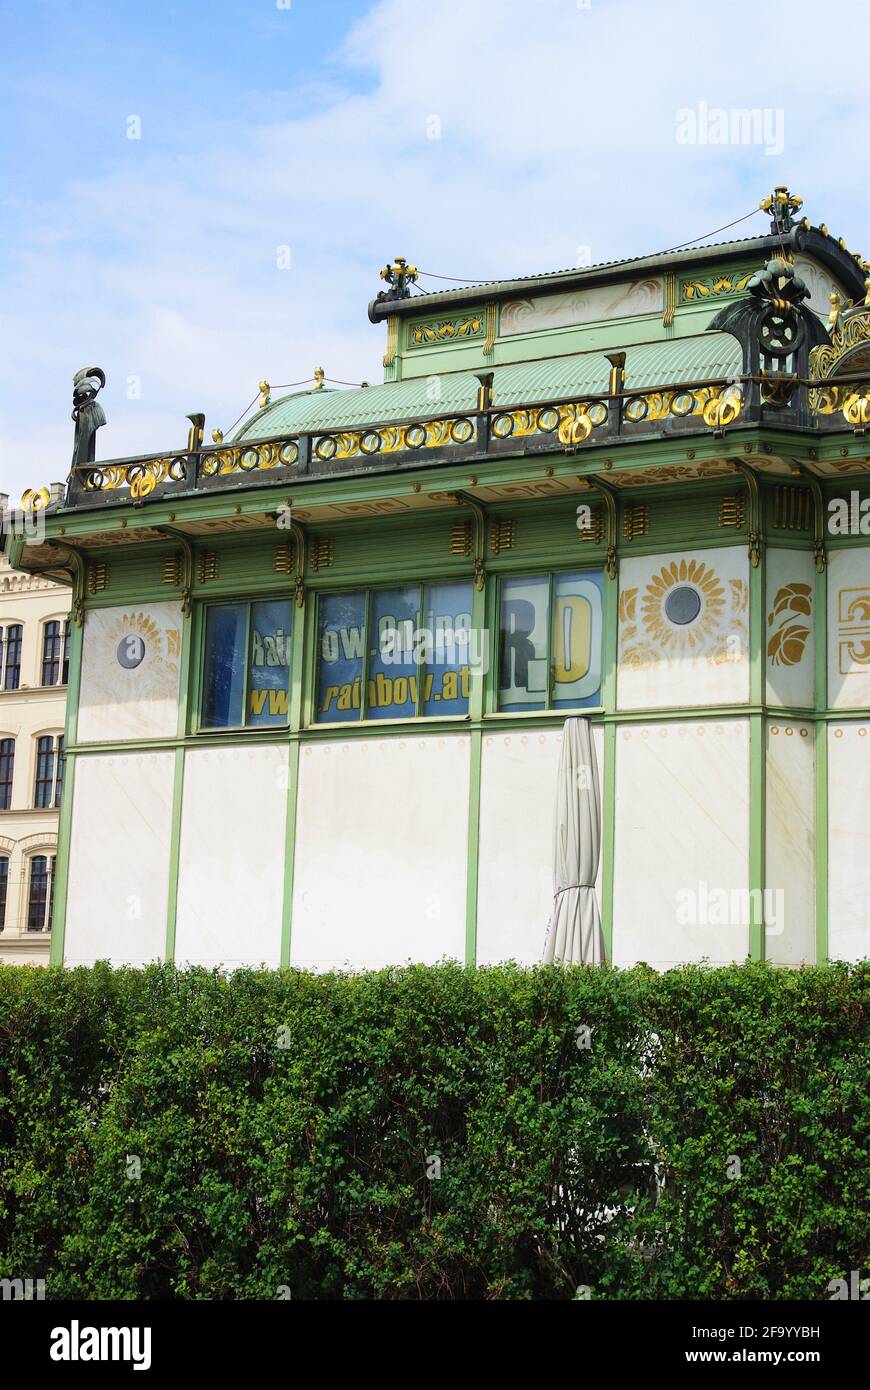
635 522
504 535
731 509
322 557
171 569
283 562
594 532
98 577
207 566
461 537
792 509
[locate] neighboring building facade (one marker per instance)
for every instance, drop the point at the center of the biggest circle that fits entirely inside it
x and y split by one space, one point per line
34 649
641 489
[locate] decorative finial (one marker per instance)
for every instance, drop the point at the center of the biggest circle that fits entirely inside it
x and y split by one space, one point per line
197 429
319 377
824 229
836 310
217 436
86 413
399 276
867 288
783 207
264 395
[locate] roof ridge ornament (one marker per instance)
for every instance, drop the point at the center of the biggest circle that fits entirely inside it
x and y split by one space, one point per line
399 276
783 207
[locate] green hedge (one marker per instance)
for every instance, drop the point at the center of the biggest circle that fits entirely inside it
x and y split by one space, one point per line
287 1127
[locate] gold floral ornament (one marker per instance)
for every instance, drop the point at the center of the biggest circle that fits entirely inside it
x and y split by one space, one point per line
856 409
34 499
787 643
142 485
576 422
724 408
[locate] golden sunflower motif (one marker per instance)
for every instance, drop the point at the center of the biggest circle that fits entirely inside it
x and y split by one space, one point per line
696 588
161 647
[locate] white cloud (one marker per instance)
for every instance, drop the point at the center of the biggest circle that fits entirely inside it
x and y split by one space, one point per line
557 130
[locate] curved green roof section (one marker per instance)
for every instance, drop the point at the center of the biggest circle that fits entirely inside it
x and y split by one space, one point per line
701 358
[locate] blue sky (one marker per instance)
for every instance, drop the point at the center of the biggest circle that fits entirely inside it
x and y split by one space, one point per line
477 137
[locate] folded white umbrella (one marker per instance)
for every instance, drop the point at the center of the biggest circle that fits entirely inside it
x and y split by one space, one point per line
574 932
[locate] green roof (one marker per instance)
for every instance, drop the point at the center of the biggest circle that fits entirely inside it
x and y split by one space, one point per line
701 358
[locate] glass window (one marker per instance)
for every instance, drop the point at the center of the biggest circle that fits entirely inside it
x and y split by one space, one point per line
52 653
58 778
64 668
40 893
4 888
44 792
550 630
7 765
12 665
394 653
246 668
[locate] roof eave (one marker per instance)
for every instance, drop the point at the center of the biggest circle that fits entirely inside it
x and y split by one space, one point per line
839 261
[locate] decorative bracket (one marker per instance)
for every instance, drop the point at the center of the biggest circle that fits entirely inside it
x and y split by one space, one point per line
820 554
756 517
298 535
464 499
77 570
611 562
187 552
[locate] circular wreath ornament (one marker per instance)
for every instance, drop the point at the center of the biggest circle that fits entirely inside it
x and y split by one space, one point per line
781 331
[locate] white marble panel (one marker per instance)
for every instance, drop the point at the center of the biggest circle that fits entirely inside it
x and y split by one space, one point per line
231 858
849 841
381 852
515 868
119 859
681 866
581 306
130 673
849 628
790 844
684 629
789 631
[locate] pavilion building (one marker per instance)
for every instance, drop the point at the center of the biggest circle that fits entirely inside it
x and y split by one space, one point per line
319 670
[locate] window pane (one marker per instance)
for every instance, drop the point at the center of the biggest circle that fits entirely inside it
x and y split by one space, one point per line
523 632
51 652
340 644
451 649
12 674
223 677
58 783
269 679
52 864
393 671
576 647
37 898
64 674
44 772
4 888
7 764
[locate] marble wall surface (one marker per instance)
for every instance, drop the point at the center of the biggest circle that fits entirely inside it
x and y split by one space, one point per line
789 628
849 840
381 851
790 843
231 856
515 868
130 673
119 859
684 629
681 864
849 629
